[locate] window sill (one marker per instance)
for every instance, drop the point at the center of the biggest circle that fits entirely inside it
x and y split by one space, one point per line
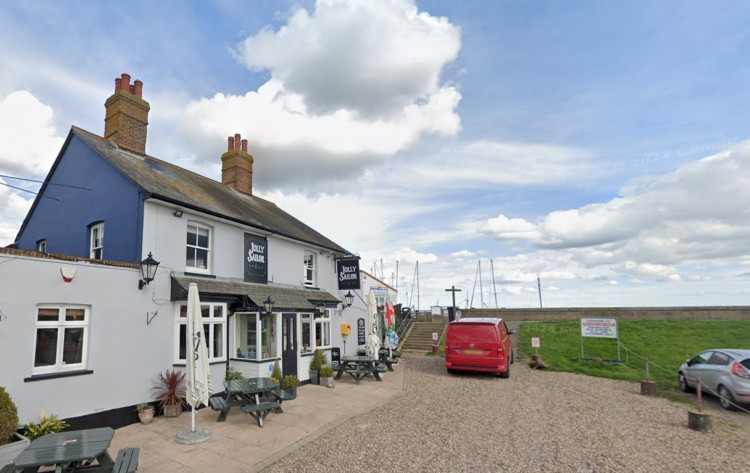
63 374
263 360
200 275
182 364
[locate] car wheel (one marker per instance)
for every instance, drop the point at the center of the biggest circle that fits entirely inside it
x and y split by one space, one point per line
684 386
505 374
725 399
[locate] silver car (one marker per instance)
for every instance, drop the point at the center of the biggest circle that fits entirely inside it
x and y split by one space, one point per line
723 372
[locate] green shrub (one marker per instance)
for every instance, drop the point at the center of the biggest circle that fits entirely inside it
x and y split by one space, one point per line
290 381
326 372
318 360
276 373
232 374
46 426
8 417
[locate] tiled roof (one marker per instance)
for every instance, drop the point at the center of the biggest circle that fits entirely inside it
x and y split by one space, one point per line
167 182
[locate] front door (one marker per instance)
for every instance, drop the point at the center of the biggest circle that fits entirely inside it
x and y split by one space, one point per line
289 344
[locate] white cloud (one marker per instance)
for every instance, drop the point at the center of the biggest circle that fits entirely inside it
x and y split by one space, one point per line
352 83
30 141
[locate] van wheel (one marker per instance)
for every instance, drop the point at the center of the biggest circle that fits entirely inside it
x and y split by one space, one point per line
505 374
450 371
512 357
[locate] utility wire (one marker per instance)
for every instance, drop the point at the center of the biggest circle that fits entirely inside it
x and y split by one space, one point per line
30 192
41 182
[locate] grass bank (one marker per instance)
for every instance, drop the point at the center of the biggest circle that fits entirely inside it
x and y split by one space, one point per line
666 344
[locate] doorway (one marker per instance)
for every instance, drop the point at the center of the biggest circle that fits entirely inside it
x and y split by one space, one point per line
289 344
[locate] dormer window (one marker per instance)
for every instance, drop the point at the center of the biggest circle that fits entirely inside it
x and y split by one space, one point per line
96 240
309 269
41 246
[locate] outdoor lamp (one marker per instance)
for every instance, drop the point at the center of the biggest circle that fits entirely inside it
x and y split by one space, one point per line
148 270
268 305
349 299
322 308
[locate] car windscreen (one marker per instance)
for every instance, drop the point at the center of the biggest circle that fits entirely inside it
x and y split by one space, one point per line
473 332
746 363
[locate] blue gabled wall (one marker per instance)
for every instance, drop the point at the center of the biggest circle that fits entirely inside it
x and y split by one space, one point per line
110 198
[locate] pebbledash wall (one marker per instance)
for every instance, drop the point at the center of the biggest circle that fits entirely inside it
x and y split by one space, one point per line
123 350
622 313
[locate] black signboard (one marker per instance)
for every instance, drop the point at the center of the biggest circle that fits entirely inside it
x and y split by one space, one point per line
256 259
335 357
360 331
347 271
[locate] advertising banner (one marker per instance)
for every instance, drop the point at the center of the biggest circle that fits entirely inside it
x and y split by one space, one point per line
256 259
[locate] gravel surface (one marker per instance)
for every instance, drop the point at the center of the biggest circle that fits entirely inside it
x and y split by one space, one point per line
534 421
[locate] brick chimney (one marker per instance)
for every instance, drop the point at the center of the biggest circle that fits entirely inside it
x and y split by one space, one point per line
237 166
126 119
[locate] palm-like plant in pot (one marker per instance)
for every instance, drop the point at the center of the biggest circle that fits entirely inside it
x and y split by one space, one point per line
169 389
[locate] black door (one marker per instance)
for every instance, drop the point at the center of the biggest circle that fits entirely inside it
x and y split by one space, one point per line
289 344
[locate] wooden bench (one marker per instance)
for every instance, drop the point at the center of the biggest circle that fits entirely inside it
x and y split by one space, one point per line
127 460
259 411
222 405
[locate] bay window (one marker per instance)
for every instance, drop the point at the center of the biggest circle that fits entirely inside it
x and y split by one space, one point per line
255 336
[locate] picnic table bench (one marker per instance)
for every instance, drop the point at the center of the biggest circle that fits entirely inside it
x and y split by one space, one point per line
359 367
127 460
254 396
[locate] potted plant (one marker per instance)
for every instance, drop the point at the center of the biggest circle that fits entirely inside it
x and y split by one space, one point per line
169 387
46 426
318 360
11 442
145 412
326 376
290 385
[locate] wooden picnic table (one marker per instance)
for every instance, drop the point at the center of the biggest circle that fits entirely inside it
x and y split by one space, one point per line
389 359
359 367
68 451
255 396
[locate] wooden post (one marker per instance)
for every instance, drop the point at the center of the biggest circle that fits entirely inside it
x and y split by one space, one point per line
648 387
698 420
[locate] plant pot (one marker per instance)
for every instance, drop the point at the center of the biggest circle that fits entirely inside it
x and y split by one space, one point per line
10 451
313 376
292 392
172 410
327 381
146 415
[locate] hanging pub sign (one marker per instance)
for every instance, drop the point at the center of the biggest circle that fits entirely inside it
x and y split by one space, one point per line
256 259
347 271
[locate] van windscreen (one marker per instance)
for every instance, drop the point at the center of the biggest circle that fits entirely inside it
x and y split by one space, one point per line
473 332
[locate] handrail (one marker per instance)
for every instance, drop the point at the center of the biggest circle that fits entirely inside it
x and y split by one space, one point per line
406 322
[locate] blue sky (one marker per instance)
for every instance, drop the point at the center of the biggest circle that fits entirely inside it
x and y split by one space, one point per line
600 145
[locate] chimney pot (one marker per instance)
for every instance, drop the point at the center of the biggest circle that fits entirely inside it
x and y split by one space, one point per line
237 141
244 145
138 88
230 147
118 81
125 84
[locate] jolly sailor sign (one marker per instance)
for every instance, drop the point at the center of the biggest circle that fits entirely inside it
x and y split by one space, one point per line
255 259
347 271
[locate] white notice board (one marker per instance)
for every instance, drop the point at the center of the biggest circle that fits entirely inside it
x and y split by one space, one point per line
599 328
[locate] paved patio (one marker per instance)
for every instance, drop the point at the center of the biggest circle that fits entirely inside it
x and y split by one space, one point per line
239 445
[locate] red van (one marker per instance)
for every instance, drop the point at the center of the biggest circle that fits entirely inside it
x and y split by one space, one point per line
478 344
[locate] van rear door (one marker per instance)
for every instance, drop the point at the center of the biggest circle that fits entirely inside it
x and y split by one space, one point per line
473 345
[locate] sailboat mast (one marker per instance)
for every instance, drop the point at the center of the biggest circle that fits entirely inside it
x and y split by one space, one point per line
481 289
494 289
539 288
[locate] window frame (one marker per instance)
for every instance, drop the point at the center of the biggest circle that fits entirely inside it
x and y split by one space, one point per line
309 268
212 321
255 318
319 323
93 248
61 325
41 245
199 226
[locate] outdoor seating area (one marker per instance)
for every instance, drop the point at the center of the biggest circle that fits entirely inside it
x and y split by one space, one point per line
76 450
254 396
360 366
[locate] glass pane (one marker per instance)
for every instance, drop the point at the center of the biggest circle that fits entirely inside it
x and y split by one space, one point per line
218 340
183 311
48 315
202 238
201 259
190 257
251 337
306 334
46 347
73 346
205 311
207 338
181 349
192 238
268 342
73 315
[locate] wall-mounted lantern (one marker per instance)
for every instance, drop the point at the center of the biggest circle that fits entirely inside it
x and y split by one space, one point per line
349 299
148 270
268 305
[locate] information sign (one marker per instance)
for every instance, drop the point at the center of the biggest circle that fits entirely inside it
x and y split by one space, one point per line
599 328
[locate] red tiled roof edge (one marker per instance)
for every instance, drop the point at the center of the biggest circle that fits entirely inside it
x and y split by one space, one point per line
55 256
